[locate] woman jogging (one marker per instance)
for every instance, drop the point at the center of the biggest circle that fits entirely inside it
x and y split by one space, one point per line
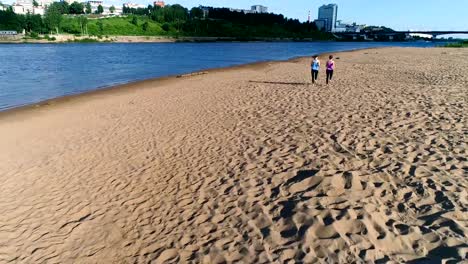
330 68
315 66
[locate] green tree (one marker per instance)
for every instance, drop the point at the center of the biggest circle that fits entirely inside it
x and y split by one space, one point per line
35 4
112 9
83 20
196 12
134 21
157 15
165 27
174 13
100 27
313 26
63 6
33 23
88 8
11 21
180 12
76 8
100 9
53 17
145 26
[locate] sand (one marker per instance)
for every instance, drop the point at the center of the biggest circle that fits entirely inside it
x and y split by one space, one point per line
250 164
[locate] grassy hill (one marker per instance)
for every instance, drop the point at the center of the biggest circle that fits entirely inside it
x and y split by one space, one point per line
142 26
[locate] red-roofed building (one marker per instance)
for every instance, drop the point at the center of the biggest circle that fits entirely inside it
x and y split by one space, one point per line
159 3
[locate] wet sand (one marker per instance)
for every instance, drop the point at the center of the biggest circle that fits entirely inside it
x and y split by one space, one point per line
250 164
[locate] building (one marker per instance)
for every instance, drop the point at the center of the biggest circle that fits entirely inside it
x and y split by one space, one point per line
347 27
355 28
106 8
159 3
8 33
133 5
19 9
39 10
245 11
23 7
3 7
259 9
340 26
26 6
205 10
45 3
255 9
329 14
94 5
27 9
95 2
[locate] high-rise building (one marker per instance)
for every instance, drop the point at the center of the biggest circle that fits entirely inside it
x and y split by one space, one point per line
259 9
329 14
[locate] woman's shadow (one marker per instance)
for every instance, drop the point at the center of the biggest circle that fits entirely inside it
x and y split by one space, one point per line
285 83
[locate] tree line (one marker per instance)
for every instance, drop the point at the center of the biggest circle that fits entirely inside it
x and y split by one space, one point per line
50 22
168 20
222 22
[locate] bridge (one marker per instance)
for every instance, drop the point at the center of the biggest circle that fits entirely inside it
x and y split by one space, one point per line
434 34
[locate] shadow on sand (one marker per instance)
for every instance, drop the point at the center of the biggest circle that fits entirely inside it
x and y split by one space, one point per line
286 83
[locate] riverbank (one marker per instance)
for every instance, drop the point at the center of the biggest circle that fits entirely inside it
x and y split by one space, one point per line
68 38
251 164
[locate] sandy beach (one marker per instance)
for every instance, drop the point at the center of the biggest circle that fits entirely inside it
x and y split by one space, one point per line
250 164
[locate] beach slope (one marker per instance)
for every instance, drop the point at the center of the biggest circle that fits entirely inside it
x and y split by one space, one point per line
250 164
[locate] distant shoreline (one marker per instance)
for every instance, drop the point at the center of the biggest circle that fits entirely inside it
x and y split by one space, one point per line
65 38
68 38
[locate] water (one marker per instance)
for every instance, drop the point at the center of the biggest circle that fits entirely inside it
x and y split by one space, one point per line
31 73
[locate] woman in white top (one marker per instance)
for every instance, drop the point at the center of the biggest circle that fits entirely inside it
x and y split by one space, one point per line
315 66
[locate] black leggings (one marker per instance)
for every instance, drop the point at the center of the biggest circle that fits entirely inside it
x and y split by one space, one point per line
314 75
329 75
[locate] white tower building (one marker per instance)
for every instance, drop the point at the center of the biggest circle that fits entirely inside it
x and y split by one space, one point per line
329 14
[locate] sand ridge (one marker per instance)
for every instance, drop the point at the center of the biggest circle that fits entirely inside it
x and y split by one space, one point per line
251 165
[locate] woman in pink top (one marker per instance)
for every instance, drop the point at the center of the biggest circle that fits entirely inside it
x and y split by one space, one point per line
330 68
